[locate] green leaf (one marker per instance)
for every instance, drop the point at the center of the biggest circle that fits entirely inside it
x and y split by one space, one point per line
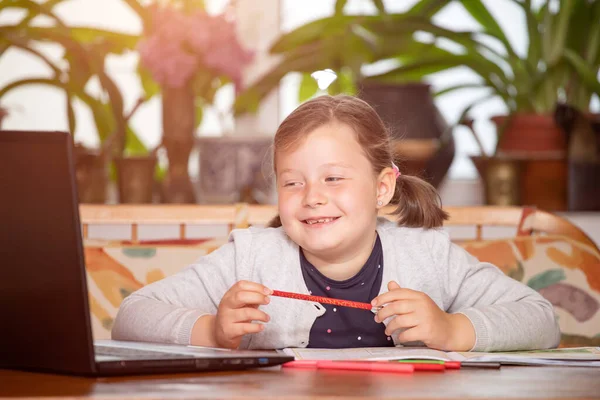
141 11
547 19
33 12
249 100
534 49
339 6
308 88
134 146
416 70
560 30
54 82
160 173
588 75
546 279
347 82
380 6
402 27
459 87
199 114
149 85
111 42
310 58
203 86
463 115
191 6
21 42
34 9
481 14
312 32
592 52
427 8
71 115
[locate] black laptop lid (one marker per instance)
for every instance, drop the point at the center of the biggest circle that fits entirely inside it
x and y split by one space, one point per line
43 295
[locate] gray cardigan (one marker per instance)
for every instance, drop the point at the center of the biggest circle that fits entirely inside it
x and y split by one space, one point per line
506 314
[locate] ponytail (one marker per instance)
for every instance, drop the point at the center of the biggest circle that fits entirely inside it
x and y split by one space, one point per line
275 222
418 204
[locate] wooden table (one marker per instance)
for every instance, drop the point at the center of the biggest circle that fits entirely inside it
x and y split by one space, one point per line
276 383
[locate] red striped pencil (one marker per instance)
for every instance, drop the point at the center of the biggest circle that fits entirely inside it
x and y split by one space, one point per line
326 300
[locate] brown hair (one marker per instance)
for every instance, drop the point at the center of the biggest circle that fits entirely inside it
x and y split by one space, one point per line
418 203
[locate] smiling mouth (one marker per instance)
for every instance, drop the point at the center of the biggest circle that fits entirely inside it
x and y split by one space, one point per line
320 221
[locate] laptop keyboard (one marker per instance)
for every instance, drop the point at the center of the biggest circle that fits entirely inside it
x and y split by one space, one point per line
127 353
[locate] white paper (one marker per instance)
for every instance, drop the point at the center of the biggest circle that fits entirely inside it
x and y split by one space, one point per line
371 353
576 356
581 356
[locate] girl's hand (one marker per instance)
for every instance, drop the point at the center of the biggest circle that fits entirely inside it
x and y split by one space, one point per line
237 310
423 320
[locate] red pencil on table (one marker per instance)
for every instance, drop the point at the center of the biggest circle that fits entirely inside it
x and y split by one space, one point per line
326 300
373 366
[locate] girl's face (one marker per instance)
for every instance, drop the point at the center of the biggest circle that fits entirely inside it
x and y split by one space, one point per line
327 193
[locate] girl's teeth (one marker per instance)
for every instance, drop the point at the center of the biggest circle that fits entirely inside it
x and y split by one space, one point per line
319 221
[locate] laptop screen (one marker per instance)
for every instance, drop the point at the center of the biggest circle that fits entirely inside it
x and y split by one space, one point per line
43 297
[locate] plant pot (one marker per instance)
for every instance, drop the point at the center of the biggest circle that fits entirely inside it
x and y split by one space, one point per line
501 180
518 181
135 179
91 174
544 182
584 186
410 113
234 169
529 133
415 154
583 133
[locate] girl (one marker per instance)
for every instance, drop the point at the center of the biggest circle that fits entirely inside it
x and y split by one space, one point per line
334 171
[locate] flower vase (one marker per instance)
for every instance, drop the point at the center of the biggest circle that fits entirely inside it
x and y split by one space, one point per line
178 112
135 179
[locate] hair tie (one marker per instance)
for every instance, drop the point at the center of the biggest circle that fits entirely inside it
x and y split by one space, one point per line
396 170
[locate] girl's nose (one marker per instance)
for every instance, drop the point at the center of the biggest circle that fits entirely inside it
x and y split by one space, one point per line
314 196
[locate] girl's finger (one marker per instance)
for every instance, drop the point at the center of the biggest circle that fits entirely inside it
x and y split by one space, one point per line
396 308
248 314
394 295
243 298
411 335
244 328
251 287
402 322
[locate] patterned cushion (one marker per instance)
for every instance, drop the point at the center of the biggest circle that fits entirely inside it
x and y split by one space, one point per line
116 269
564 271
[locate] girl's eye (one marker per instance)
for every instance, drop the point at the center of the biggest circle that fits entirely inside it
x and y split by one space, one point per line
289 184
333 179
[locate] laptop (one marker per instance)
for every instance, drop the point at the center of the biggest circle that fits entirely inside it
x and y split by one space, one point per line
44 312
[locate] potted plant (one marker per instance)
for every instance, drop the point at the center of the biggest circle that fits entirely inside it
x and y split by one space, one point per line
342 46
186 55
85 50
561 63
560 66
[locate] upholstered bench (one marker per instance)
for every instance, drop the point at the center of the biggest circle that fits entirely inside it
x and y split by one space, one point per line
547 252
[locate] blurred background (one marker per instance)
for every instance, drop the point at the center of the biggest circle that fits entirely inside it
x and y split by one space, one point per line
492 101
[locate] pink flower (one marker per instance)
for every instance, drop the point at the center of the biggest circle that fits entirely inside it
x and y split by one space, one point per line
166 61
178 45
